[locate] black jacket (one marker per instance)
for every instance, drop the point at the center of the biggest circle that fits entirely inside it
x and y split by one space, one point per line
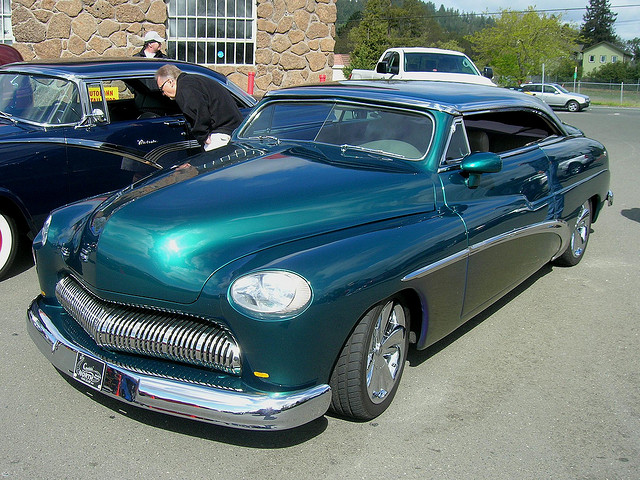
159 54
207 105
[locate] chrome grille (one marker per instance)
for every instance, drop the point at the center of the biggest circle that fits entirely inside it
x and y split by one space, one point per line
146 332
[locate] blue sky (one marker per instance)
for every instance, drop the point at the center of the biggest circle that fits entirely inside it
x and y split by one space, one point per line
627 23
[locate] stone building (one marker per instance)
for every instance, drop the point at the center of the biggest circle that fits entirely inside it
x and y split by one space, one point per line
284 42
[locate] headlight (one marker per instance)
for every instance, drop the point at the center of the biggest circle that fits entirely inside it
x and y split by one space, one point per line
45 230
270 294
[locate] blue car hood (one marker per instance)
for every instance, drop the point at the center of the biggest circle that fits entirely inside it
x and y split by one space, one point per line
165 238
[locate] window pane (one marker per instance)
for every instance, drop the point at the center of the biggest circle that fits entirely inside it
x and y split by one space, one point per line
210 28
191 27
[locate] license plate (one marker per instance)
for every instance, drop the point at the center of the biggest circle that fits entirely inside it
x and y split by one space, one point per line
89 370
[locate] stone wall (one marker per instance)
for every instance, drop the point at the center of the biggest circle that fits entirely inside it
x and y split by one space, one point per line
294 41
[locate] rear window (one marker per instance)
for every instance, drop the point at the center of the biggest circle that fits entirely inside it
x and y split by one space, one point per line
384 130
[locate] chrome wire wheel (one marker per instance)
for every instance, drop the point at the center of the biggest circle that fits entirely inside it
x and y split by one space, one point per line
579 238
387 349
367 373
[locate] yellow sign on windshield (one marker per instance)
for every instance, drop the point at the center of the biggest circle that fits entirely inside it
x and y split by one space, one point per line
111 93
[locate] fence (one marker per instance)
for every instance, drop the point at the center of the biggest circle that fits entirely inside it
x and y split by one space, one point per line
624 94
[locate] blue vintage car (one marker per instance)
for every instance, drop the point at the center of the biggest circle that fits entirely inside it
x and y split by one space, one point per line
289 273
73 129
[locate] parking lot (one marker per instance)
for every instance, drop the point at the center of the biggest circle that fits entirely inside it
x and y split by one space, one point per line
543 385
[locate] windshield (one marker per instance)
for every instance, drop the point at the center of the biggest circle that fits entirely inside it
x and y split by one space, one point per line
438 62
562 89
39 99
389 131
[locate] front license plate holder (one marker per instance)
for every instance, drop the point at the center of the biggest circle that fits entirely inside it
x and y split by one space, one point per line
89 370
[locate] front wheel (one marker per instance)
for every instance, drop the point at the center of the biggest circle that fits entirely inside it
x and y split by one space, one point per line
8 243
367 373
573 106
579 238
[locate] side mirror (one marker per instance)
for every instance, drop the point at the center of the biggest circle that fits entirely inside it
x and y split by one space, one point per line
98 115
476 164
488 72
382 67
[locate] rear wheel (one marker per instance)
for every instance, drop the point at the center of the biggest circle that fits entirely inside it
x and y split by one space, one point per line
8 243
367 374
579 238
573 106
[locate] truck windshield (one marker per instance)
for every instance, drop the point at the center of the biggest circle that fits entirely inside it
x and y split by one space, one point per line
383 130
438 62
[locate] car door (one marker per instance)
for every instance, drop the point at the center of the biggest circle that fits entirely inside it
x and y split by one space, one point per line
507 213
126 117
553 96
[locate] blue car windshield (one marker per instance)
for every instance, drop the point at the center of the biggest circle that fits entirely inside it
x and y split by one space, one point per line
39 99
385 130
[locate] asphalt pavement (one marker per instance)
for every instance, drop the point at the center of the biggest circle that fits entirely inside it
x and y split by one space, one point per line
544 385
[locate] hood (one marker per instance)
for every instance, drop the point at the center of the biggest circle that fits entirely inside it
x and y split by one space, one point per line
166 237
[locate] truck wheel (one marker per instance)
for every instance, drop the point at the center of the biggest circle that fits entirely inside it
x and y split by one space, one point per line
8 243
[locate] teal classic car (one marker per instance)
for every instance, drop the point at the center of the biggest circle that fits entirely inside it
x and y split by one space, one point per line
289 273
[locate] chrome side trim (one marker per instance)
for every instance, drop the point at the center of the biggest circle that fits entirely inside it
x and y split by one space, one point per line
561 227
433 267
245 410
157 153
524 232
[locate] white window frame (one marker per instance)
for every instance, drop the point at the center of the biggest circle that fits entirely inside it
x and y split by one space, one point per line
6 32
603 59
592 59
212 32
614 58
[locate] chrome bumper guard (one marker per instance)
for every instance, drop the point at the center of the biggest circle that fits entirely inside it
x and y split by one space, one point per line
251 411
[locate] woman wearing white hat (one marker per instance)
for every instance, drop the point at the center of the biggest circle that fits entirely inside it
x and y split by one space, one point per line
152 44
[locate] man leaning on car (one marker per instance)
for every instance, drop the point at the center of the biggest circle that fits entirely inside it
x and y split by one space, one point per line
210 109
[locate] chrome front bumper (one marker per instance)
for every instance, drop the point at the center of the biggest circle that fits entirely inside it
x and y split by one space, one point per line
268 411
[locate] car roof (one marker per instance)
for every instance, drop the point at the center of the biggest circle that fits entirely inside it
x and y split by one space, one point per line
454 98
100 67
428 50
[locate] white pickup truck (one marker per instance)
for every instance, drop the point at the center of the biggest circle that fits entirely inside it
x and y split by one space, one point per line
417 63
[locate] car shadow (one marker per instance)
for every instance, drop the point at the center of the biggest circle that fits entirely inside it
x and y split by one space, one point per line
417 357
631 214
262 439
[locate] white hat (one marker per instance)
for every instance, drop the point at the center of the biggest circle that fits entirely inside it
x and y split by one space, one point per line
152 37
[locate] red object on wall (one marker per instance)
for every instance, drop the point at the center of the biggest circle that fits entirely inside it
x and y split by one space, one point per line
250 82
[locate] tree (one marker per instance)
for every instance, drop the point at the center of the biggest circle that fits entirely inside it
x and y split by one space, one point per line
391 23
520 42
598 23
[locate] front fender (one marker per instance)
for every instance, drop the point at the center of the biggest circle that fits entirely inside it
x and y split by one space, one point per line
349 271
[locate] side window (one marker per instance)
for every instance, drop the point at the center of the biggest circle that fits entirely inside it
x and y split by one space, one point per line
131 99
549 89
97 98
500 132
458 145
